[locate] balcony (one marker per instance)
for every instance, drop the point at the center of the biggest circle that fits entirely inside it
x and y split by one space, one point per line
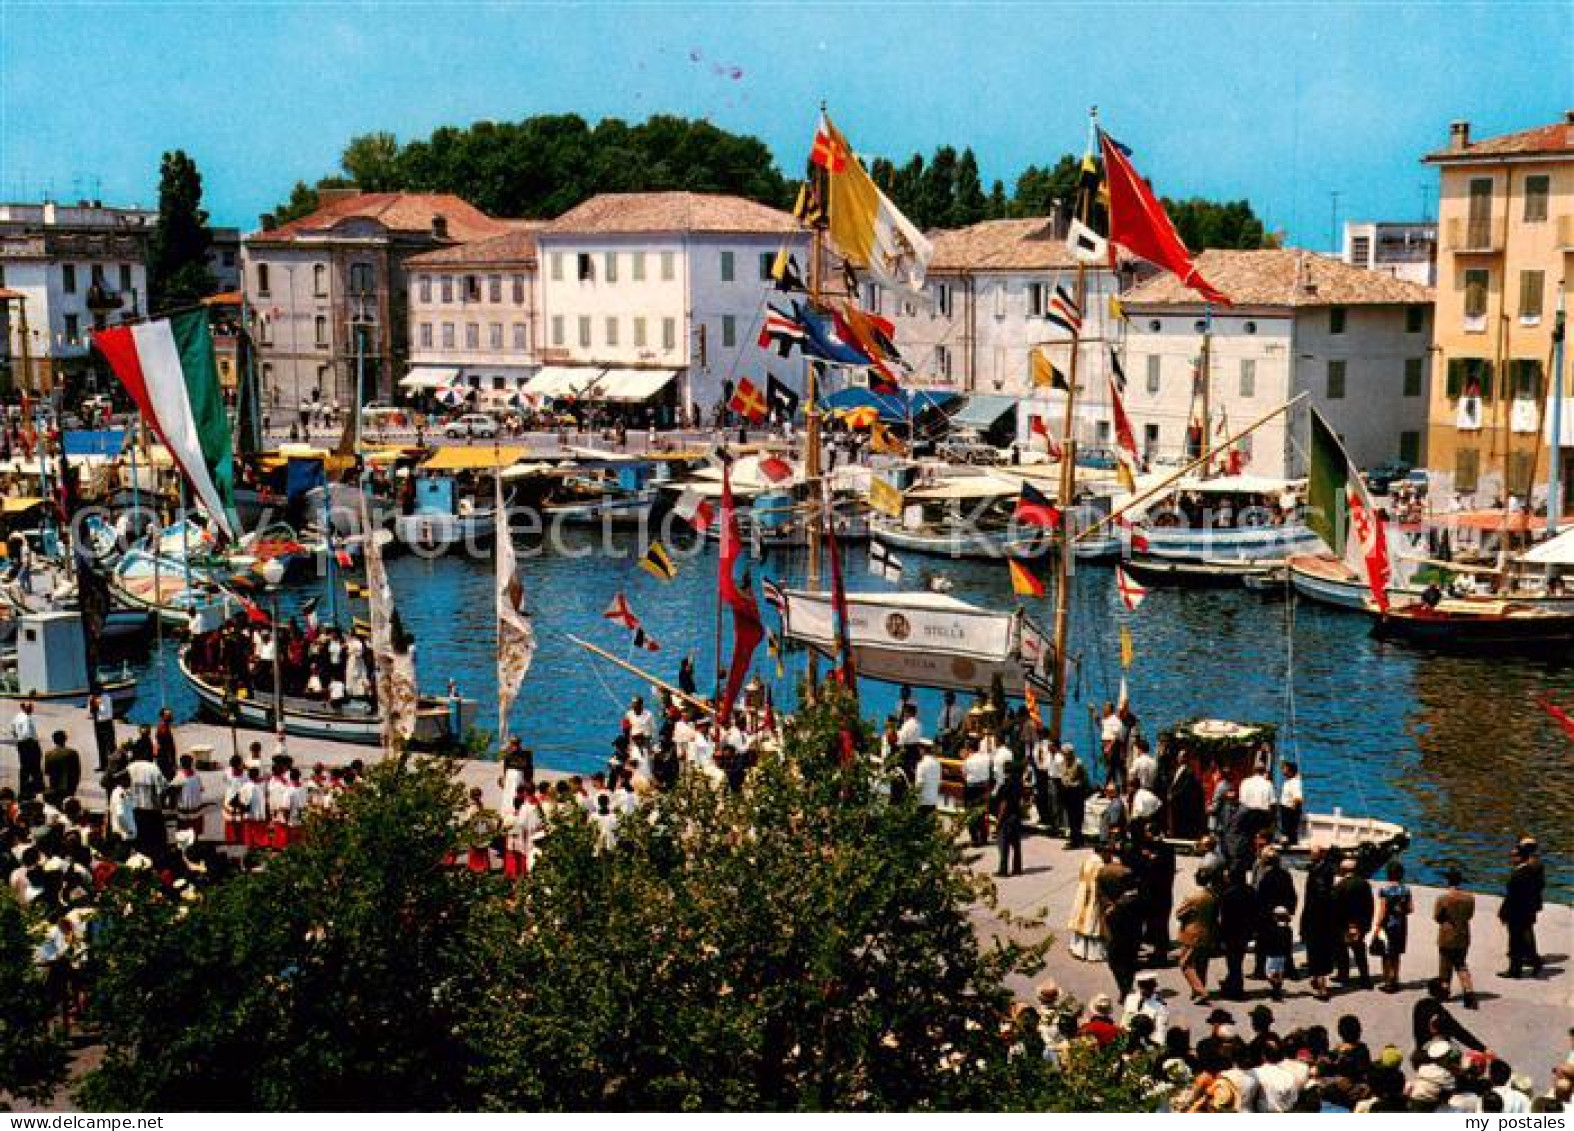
101 298
1473 237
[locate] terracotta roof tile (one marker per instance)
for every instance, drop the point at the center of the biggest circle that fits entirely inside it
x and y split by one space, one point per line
397 211
1281 277
644 212
1556 138
1000 245
512 247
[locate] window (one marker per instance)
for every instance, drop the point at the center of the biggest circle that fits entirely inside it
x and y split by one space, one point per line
1467 469
872 297
585 267
472 335
767 261
1361 250
729 331
1477 281
1414 372
1336 372
1410 448
125 276
472 288
584 331
98 274
320 326
448 335
557 330
494 335
943 361
1336 315
265 328
68 279
1000 301
263 279
1249 326
426 335
494 288
1537 189
727 267
612 331
519 290
1150 438
1469 375
1415 319
521 335
1524 380
324 376
669 333
611 267
267 380
1036 294
557 266
424 284
73 329
639 332
320 279
669 266
499 384
1478 219
637 263
943 299
1531 284
1154 363
1248 377
1518 473
363 279
448 288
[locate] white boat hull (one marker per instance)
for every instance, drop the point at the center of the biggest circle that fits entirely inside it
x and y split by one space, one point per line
433 531
965 543
1248 543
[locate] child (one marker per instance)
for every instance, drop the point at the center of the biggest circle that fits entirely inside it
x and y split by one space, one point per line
234 809
1277 942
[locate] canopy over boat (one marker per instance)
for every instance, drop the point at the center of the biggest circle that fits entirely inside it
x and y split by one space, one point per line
482 457
965 487
1557 551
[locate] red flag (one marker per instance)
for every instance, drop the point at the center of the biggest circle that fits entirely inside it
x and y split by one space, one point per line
775 469
1023 582
747 631
1559 715
748 401
1139 540
1034 508
1138 223
846 672
1366 530
1132 593
254 612
829 152
621 612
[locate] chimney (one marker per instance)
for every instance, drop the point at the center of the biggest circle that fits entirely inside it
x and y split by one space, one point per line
267 221
439 226
1459 134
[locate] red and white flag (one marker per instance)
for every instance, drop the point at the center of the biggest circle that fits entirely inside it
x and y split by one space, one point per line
1132 593
621 612
775 469
694 509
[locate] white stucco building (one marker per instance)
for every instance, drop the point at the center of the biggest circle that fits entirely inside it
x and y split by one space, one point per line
1405 250
1358 341
656 299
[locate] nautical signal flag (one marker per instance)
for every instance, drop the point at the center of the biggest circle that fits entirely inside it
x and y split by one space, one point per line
883 563
781 330
694 509
1127 652
1045 375
1023 581
1117 309
747 401
784 271
1038 427
621 612
773 649
1064 311
1117 371
882 441
1133 533
645 640
1132 593
780 397
658 563
1086 245
884 497
774 596
1030 700
1035 509
775 469
830 151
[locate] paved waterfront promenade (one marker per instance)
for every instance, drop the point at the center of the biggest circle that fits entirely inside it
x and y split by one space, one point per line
1526 1021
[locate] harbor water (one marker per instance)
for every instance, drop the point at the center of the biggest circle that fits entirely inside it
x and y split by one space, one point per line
1454 748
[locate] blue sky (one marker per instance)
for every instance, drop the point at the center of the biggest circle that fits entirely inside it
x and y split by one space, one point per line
1280 103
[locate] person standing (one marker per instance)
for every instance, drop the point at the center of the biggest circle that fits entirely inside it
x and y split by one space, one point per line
188 796
1319 931
1521 905
102 713
1112 734
62 769
1292 804
1074 793
1239 921
148 786
1274 889
1198 916
1087 922
1452 913
164 744
1118 906
1008 813
976 770
1354 909
1156 882
909 738
1046 786
29 754
1392 924
927 779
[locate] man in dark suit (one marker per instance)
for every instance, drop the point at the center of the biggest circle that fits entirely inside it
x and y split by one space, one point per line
1521 904
1355 908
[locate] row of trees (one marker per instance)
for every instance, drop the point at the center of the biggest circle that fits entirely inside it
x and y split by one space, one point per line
797 944
545 165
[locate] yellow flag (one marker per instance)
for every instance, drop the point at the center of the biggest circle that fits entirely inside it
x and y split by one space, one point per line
870 231
658 563
884 442
1045 375
1125 647
884 498
1117 309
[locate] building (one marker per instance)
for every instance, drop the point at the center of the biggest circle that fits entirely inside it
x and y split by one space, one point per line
657 299
75 268
1506 218
1405 250
1357 341
473 316
327 292
224 258
989 291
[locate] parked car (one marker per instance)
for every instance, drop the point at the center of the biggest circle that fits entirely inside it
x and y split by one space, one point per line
1099 459
476 425
968 451
1382 477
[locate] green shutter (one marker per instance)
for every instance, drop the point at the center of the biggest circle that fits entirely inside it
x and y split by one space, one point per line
1456 378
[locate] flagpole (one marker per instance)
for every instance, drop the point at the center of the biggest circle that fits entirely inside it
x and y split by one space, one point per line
1204 365
811 439
497 584
694 700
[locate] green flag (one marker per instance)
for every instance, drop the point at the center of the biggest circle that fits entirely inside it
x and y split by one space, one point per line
1329 475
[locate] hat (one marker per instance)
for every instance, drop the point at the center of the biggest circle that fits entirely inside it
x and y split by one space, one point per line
1347 864
1437 1050
1048 991
1391 1057
1102 1005
1220 1017
1281 912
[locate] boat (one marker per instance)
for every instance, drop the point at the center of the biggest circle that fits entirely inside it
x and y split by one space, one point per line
1227 518
963 516
1327 580
925 639
116 683
440 518
1476 624
440 722
1187 573
50 664
144 581
605 491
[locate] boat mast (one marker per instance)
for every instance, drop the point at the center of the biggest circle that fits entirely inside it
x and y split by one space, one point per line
1204 369
1068 478
811 429
1555 458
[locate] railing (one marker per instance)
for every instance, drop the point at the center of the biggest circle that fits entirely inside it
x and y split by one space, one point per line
1473 235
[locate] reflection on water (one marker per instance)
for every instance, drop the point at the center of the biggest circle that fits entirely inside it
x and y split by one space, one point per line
1454 748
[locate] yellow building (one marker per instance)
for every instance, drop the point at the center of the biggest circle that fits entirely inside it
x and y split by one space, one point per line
1505 245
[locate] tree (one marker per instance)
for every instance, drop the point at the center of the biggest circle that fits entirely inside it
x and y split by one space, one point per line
371 161
969 205
1209 223
1038 187
178 271
998 207
32 1051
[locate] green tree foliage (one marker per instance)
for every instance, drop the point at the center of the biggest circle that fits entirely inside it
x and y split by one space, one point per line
32 1051
178 271
371 162
1039 187
1208 223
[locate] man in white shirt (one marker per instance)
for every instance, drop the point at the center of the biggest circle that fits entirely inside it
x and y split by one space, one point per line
1112 733
909 736
1278 1087
1146 999
639 722
29 753
1257 791
147 788
977 769
926 780
1144 768
1291 803
1000 760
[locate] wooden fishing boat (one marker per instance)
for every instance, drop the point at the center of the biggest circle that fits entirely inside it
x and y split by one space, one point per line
1228 518
1327 580
439 722
116 683
964 516
160 587
1476 625
1188 574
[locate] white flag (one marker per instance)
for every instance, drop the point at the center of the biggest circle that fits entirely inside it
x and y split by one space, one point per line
1086 245
516 640
883 563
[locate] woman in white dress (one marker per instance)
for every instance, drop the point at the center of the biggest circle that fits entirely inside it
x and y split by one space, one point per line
1087 921
356 684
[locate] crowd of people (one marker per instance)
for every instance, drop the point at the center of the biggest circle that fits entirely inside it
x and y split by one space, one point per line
320 663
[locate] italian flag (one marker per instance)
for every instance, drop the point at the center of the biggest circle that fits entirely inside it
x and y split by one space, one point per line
1340 511
167 366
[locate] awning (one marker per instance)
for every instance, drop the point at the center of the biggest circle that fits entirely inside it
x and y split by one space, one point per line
633 386
564 381
429 377
983 412
894 408
104 442
482 457
966 487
